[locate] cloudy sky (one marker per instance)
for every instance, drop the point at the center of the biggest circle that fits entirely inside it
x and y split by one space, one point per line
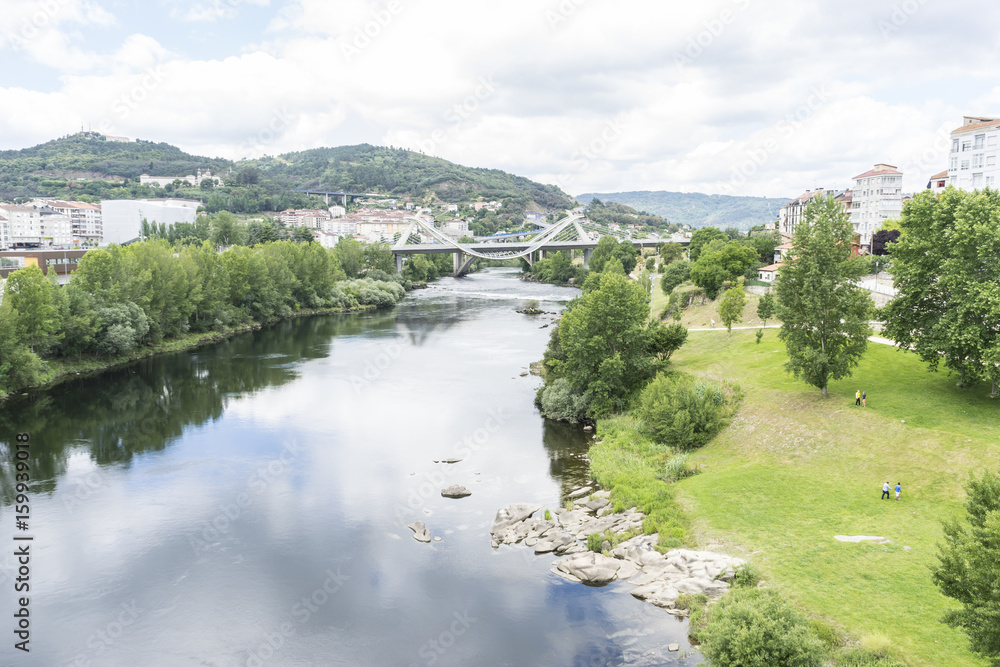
757 97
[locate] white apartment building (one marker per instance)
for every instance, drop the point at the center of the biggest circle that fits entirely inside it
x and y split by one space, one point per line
790 215
122 218
338 211
57 228
25 225
4 232
376 231
342 227
86 218
878 196
309 218
972 164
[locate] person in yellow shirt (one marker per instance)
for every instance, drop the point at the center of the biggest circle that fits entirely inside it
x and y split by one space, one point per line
857 398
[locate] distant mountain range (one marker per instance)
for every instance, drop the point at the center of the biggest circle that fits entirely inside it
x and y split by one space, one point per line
696 209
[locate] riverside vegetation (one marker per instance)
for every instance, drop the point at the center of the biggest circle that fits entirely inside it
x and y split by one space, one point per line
125 302
776 485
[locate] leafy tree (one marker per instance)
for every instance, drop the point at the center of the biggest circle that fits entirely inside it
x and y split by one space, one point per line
671 252
651 264
824 311
674 274
702 237
78 321
731 308
351 255
602 340
261 232
766 308
124 325
207 184
719 263
19 366
881 240
969 567
947 279
663 340
379 257
227 230
303 235
604 251
32 296
752 627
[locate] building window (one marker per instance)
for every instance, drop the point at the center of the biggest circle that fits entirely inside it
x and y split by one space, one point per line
977 181
990 181
966 145
980 141
977 161
954 145
991 160
965 165
991 141
953 164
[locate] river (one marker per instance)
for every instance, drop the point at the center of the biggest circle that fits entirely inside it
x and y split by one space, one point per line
246 503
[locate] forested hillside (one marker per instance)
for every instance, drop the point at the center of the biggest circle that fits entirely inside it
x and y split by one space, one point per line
696 209
85 166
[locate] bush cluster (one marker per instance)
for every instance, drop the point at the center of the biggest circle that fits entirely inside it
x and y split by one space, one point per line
684 413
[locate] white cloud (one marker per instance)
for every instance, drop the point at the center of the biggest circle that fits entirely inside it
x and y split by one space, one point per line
700 90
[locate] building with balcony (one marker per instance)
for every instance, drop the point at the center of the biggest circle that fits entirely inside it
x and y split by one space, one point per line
877 197
972 163
25 225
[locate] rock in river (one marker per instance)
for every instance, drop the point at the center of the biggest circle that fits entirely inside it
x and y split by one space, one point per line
420 532
455 491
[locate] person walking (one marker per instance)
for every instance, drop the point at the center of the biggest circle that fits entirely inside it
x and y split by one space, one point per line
899 489
857 398
864 397
885 491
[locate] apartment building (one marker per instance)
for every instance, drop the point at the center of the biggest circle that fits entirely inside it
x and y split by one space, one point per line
877 197
86 219
972 163
790 215
4 232
25 225
56 227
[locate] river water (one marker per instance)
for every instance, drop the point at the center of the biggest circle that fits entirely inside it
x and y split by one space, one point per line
246 503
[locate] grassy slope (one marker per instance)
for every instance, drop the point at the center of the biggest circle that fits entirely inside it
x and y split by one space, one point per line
793 470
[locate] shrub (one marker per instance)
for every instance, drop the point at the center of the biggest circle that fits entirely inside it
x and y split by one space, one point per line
827 633
756 628
560 402
594 542
745 576
877 645
548 515
676 468
683 413
857 657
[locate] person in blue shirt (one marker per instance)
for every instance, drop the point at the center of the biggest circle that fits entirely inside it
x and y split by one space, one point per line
898 490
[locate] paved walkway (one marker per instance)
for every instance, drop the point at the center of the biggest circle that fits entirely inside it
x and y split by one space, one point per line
874 339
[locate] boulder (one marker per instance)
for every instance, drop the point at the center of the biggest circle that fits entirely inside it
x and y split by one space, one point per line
591 568
510 515
455 491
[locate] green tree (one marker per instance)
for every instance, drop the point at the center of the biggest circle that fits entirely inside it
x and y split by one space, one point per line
303 235
663 340
719 263
19 366
32 296
702 237
227 230
731 308
947 279
824 311
351 255
602 338
674 274
969 567
379 257
671 252
766 308
604 251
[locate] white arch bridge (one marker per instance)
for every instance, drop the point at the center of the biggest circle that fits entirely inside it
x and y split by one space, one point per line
570 233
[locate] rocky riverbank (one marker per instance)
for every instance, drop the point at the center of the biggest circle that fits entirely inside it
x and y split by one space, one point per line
658 578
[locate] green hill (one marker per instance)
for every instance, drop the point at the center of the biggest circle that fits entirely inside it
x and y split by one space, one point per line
86 166
696 209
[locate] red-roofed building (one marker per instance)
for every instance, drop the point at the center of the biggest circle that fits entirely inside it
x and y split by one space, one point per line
877 197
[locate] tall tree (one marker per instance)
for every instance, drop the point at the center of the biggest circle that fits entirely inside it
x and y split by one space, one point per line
731 308
33 297
701 238
825 313
947 278
968 569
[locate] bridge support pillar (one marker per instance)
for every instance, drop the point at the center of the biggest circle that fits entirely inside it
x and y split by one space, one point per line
544 254
587 252
399 263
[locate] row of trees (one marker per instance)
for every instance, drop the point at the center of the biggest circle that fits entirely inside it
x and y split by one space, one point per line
122 297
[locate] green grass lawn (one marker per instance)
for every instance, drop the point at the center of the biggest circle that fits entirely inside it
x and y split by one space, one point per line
794 469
